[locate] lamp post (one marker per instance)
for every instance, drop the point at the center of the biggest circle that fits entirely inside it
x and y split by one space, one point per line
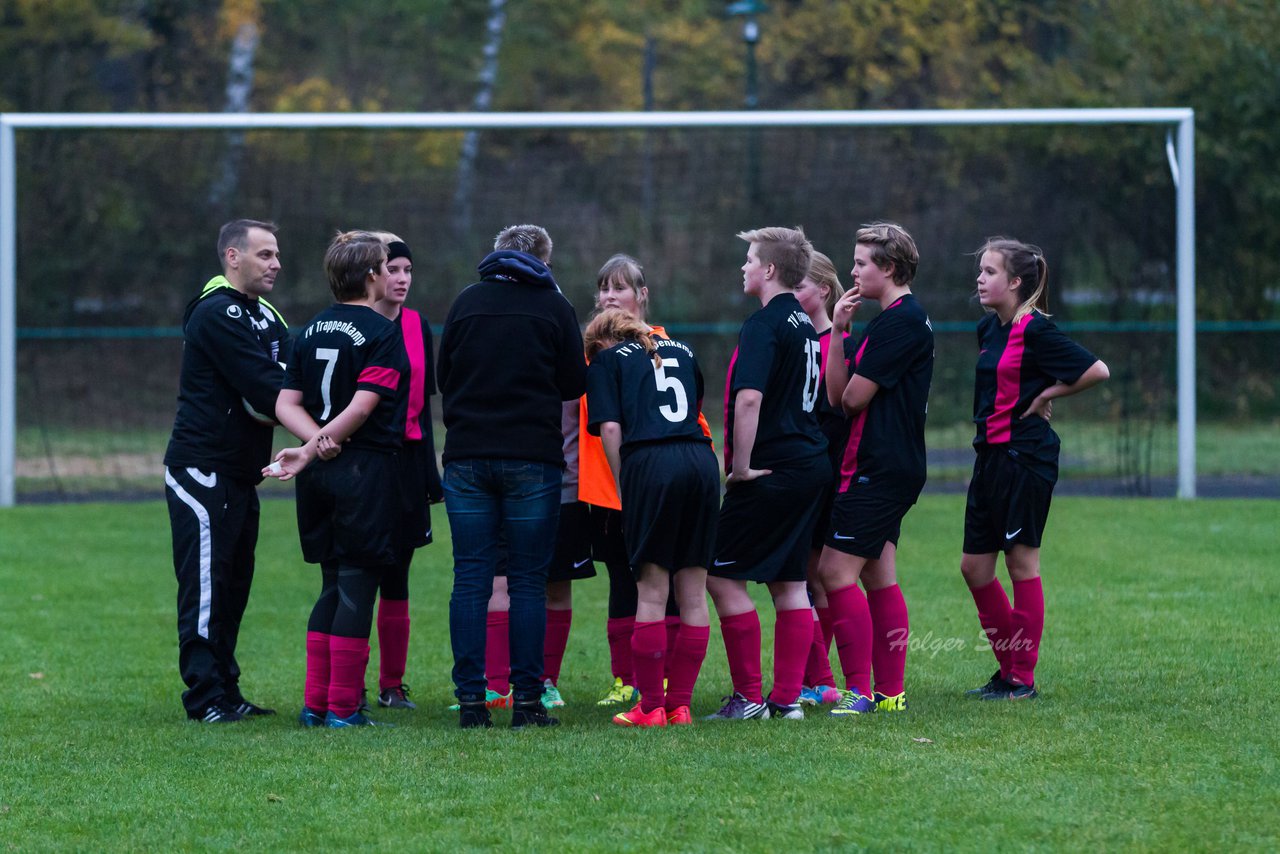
748 9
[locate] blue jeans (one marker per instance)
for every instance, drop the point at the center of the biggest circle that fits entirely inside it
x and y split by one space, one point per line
500 508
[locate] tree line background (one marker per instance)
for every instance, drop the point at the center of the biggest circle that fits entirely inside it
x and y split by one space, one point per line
116 228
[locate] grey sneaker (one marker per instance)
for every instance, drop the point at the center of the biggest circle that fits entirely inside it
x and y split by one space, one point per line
396 697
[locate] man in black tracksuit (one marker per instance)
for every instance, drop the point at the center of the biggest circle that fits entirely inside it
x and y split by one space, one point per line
510 353
234 342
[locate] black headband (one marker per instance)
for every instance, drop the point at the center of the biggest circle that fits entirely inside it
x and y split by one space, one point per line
398 249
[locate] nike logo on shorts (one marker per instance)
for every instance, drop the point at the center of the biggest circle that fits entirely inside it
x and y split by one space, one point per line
724 562
839 536
1009 536
580 563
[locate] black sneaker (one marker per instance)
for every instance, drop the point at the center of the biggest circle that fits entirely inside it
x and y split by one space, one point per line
251 710
364 702
531 714
995 683
217 713
474 715
1012 691
396 697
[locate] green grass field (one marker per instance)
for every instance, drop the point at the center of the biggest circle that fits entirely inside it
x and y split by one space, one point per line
1156 729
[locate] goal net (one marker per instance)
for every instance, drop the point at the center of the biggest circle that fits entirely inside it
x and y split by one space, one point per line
114 231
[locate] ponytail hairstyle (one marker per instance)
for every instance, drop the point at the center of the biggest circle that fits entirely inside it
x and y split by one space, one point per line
614 326
823 274
1026 262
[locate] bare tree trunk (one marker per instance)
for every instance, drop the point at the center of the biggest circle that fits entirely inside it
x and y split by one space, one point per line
462 207
239 86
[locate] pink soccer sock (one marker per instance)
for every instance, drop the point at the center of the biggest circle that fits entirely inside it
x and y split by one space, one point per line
553 646
890 628
648 654
497 651
347 659
393 641
828 621
792 637
996 617
686 656
618 630
673 629
852 625
1028 627
742 646
315 693
817 668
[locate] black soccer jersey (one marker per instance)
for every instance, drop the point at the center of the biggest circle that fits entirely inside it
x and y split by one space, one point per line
885 450
652 403
231 347
1017 361
778 354
350 348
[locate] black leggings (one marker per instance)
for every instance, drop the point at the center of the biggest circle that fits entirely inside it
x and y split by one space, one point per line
345 606
395 579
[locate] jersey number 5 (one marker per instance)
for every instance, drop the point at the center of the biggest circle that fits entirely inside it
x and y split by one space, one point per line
675 413
813 375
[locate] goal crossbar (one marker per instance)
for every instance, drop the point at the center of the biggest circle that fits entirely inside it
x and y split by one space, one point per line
1181 146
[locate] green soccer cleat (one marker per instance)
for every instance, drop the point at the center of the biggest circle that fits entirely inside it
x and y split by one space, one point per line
885 703
619 694
551 698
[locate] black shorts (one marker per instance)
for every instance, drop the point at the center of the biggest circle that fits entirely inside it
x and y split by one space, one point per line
415 527
670 503
350 508
1007 506
766 525
862 522
607 543
572 560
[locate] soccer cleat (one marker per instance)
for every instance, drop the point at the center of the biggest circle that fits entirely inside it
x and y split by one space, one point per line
364 701
396 697
638 717
619 694
995 683
885 703
217 713
356 718
531 714
252 710
310 717
551 698
778 711
819 695
852 703
474 716
739 708
1012 691
679 716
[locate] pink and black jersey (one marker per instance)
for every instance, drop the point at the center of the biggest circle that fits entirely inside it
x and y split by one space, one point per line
652 403
778 355
885 449
1017 361
831 419
350 348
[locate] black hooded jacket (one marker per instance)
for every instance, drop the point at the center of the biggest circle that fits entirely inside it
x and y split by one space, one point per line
510 353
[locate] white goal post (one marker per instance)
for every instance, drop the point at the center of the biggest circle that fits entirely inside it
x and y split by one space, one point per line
1180 147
